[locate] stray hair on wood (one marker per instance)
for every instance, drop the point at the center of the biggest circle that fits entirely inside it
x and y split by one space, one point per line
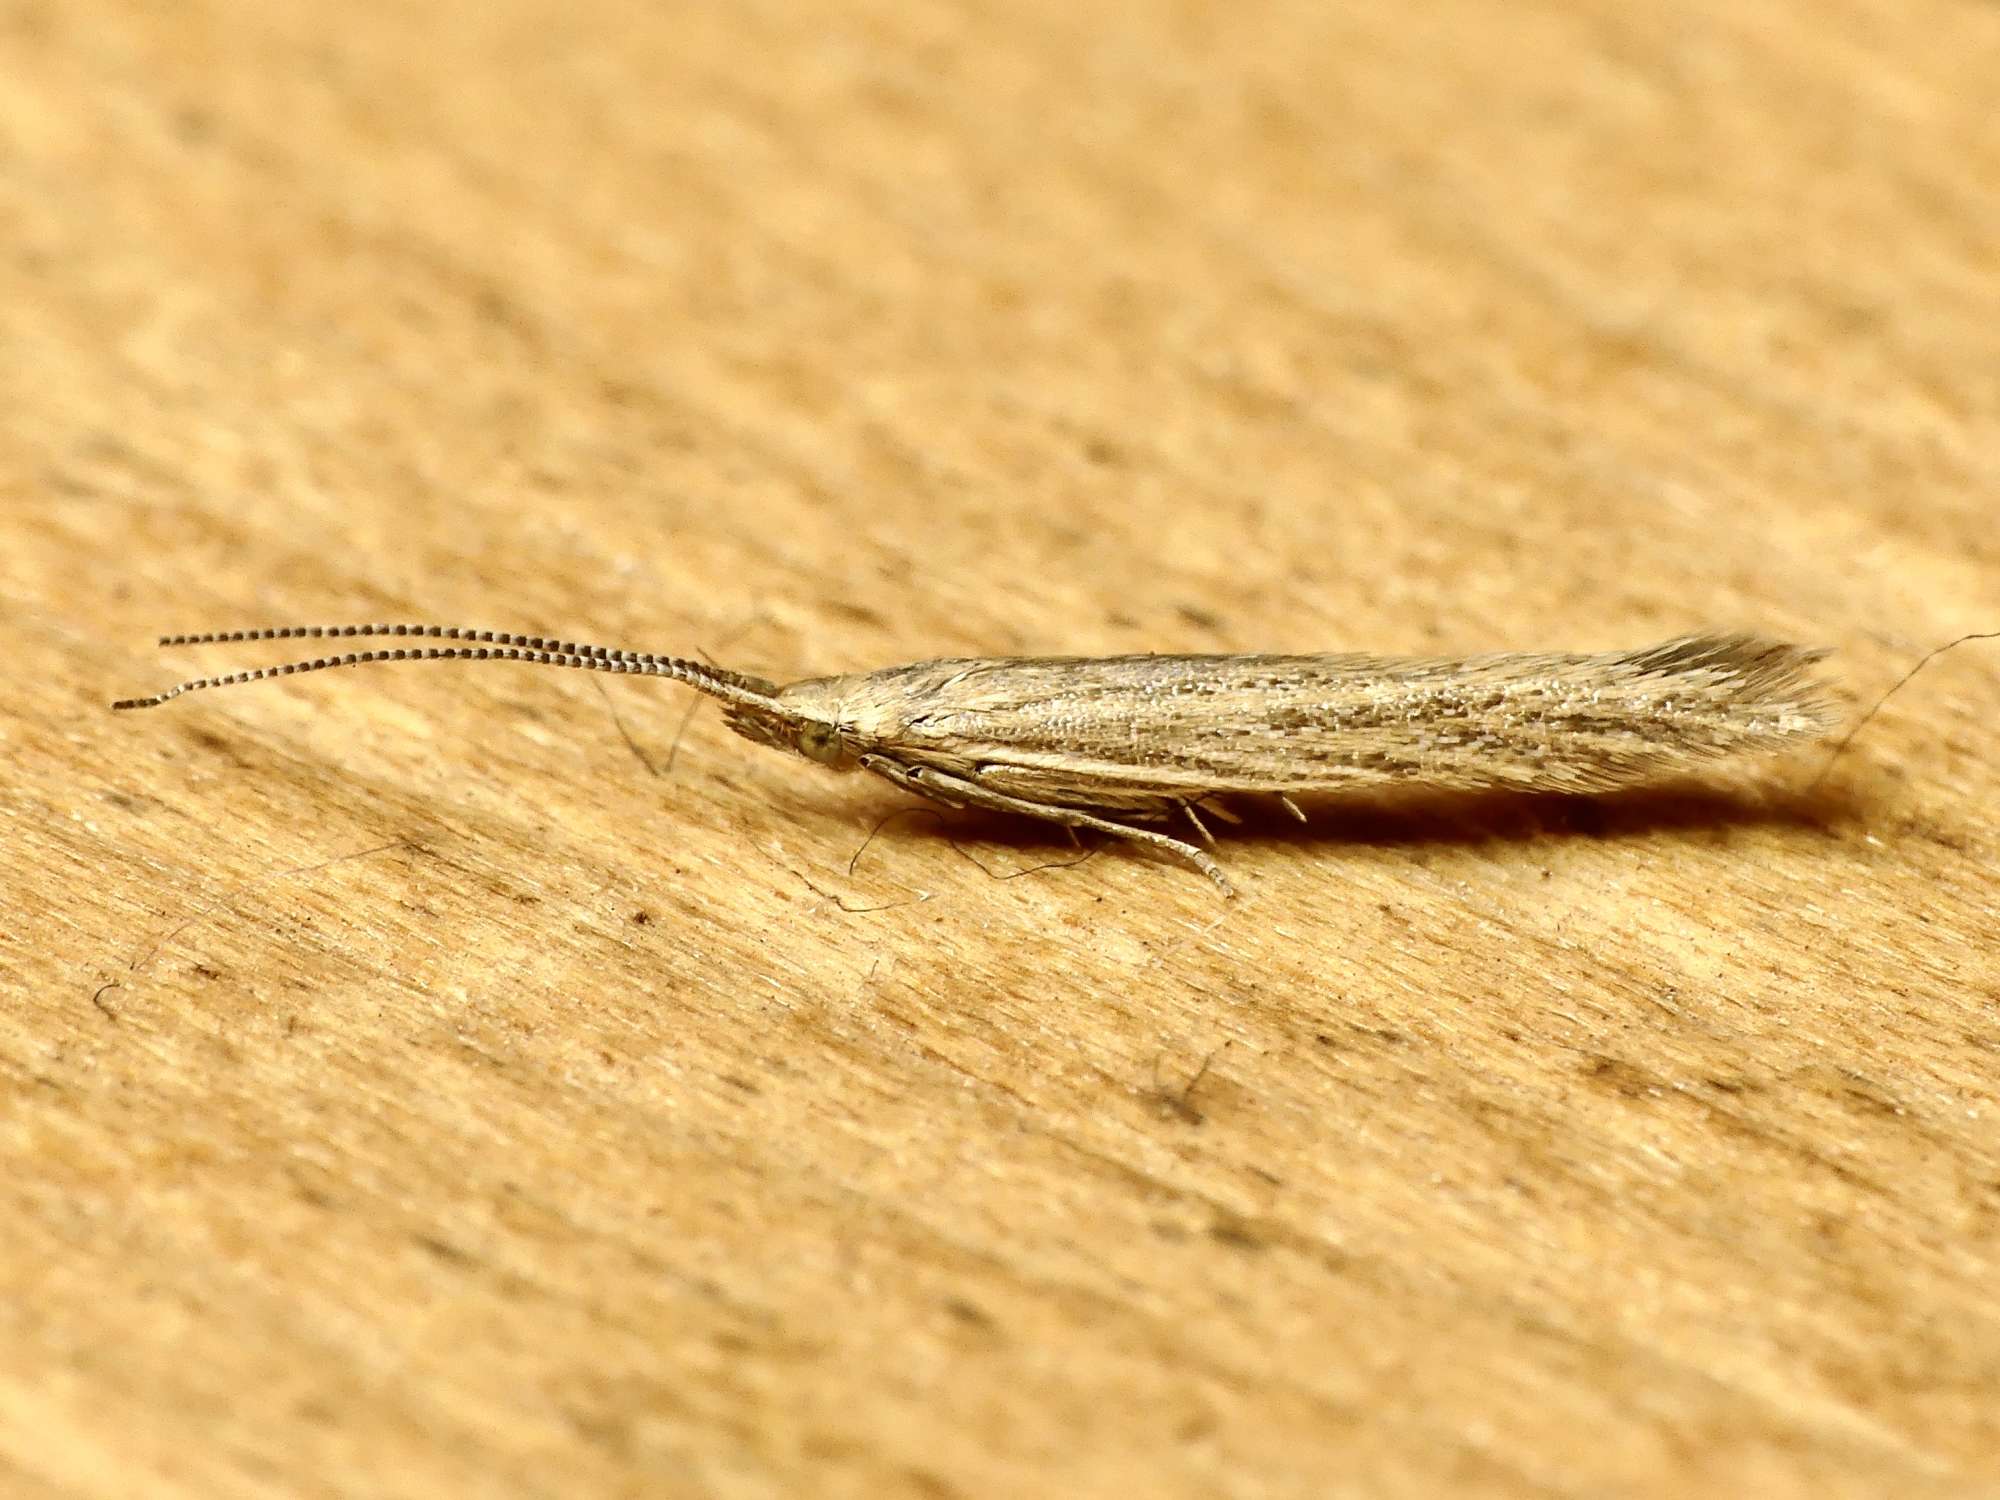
1117 743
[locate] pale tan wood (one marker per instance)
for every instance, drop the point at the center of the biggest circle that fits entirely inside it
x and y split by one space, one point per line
403 1091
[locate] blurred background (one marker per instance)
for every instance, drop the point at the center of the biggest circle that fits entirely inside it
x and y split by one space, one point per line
407 1088
945 326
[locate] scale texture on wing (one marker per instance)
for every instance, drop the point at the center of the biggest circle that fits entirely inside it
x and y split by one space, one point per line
1149 731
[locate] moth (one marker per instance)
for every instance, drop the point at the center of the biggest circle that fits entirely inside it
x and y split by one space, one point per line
1132 746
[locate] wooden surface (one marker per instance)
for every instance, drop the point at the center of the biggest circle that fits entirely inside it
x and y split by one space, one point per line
405 1091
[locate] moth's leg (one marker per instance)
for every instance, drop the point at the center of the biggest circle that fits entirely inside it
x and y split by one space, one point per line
1199 826
1290 806
1220 810
956 791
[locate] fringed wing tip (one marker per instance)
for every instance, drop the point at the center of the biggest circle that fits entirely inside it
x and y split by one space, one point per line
1734 654
1764 670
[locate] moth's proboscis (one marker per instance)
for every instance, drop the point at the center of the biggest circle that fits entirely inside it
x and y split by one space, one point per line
1115 743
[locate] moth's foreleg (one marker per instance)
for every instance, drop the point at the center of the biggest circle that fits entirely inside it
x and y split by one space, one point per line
1193 817
956 791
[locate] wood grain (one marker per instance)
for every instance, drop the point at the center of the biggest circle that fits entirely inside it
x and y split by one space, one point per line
405 1089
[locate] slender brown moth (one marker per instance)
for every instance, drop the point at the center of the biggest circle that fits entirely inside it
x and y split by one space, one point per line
1112 743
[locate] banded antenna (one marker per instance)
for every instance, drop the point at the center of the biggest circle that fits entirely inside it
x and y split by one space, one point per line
490 645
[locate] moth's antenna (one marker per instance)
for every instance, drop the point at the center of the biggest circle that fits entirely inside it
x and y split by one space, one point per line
495 645
1861 723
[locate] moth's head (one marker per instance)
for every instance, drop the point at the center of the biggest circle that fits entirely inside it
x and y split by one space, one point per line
808 725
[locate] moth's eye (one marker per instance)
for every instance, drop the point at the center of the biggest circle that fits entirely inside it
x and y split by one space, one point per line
821 742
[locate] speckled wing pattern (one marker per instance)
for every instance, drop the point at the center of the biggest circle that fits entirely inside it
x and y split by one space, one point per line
1152 732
